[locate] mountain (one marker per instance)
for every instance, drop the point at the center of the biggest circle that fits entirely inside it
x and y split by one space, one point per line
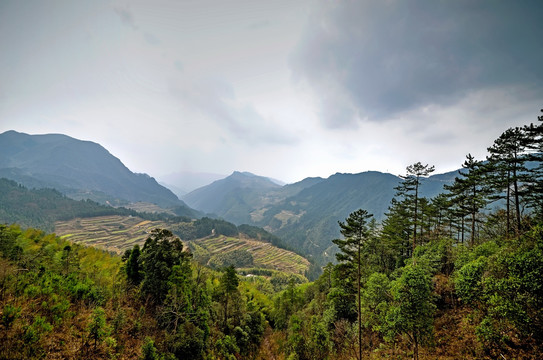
233 197
305 214
79 169
40 208
181 183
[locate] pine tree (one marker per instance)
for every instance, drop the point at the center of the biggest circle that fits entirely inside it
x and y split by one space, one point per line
161 252
133 270
355 232
534 147
468 193
507 161
229 287
409 190
396 232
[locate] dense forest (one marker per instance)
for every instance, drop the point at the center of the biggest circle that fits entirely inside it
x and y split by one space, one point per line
40 208
455 276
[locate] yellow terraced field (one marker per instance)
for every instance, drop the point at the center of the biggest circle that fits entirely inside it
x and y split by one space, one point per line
118 233
265 255
112 233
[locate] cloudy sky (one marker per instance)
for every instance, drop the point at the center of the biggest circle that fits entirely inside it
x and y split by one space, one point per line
286 89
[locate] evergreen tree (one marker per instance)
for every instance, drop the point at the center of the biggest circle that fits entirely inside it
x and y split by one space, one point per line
441 205
229 287
355 232
161 252
469 192
507 162
396 233
534 147
98 329
412 310
133 270
409 190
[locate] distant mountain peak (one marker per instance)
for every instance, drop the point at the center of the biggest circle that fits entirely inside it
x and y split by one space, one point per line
243 173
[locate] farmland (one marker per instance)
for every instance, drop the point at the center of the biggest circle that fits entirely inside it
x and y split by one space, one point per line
111 233
265 255
119 233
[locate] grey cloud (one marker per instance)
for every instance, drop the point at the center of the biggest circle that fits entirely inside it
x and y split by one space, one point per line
335 112
151 39
386 57
215 100
178 65
126 16
259 25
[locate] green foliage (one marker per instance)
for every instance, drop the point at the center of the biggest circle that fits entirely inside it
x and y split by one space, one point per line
437 256
227 348
54 293
10 313
98 328
41 208
33 332
237 258
205 227
281 280
513 292
375 299
133 269
148 350
468 281
161 252
188 342
45 298
411 312
286 304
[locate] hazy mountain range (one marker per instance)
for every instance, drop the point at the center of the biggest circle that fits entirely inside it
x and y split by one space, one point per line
303 214
79 169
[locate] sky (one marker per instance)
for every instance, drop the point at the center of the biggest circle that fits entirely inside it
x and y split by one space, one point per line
285 89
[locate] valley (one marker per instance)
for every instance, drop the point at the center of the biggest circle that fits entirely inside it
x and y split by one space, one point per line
116 234
436 258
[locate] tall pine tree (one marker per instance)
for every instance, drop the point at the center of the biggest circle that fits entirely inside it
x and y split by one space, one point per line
469 193
356 233
409 190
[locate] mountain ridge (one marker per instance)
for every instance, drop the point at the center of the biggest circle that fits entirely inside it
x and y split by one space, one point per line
305 213
78 168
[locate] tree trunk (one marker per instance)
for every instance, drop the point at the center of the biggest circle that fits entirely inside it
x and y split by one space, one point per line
507 202
416 209
359 306
517 202
226 312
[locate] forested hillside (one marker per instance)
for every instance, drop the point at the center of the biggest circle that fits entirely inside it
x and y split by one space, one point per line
40 208
61 300
305 213
440 278
459 275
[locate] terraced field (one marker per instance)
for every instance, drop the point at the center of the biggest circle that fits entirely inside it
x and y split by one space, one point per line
265 255
112 233
118 233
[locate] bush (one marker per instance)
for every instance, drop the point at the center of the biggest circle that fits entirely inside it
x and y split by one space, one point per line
468 280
